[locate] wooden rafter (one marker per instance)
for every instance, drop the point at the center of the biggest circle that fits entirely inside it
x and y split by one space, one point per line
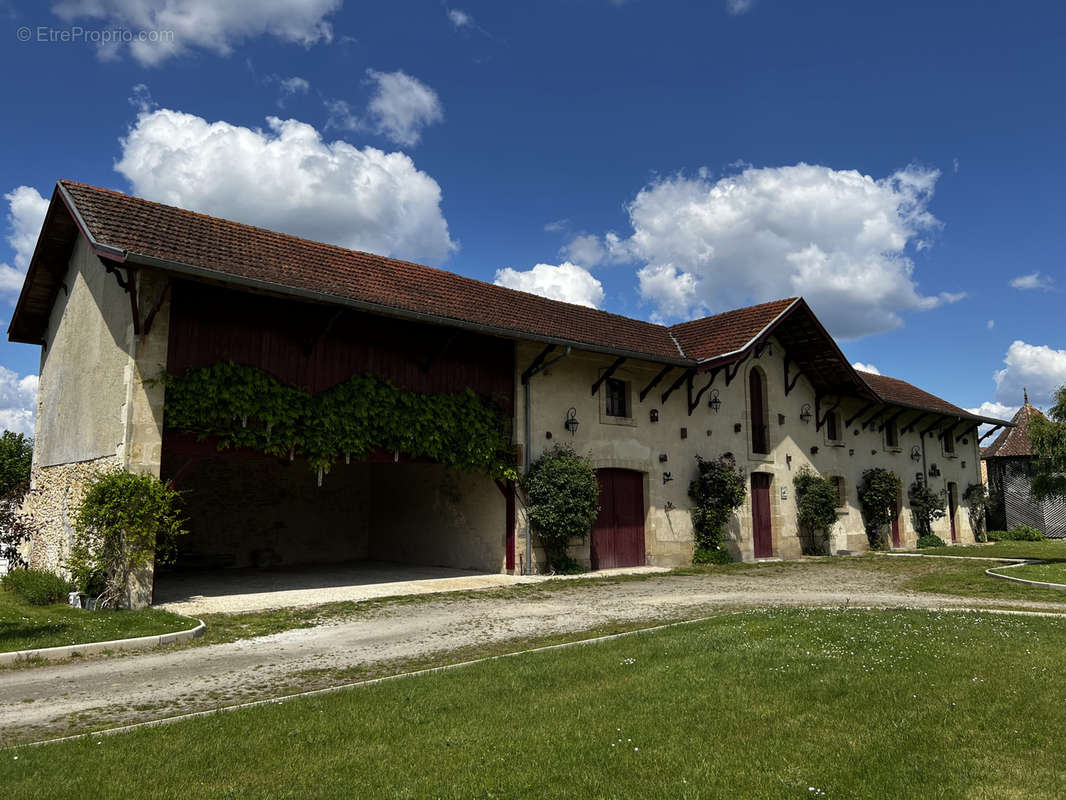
859 413
531 370
870 420
820 418
730 374
695 401
933 427
967 431
655 381
676 384
988 433
885 422
607 373
790 384
147 327
914 422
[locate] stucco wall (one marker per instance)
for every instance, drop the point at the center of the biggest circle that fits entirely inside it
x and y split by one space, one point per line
638 444
82 387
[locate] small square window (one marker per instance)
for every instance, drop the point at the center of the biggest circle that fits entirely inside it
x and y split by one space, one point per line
892 435
616 394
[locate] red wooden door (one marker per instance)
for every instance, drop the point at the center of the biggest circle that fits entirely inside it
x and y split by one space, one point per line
618 533
953 505
760 515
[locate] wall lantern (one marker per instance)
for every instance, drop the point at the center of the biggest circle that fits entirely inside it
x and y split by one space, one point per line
653 415
571 422
916 453
714 403
805 413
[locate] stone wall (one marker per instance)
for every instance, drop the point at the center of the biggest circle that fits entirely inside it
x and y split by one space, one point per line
50 506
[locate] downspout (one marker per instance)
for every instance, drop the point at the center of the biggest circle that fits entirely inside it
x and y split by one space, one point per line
527 436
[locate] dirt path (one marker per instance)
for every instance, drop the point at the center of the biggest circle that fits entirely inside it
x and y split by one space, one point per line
54 700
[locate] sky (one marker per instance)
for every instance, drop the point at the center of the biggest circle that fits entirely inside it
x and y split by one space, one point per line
900 165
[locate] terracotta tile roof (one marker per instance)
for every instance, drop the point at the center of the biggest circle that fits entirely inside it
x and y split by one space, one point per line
1014 442
893 390
171 234
706 338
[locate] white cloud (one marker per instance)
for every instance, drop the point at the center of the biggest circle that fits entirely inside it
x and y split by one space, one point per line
557 225
202 24
995 410
402 106
141 98
737 7
841 239
460 19
26 210
1038 368
585 250
288 179
566 281
866 368
294 85
18 401
990 324
1034 280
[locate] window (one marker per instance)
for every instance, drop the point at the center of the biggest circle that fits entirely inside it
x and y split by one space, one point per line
616 393
949 443
760 430
892 435
842 490
832 426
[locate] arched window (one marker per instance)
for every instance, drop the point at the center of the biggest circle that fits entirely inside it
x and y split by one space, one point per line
760 431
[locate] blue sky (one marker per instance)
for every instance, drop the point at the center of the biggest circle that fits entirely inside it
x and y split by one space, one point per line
898 164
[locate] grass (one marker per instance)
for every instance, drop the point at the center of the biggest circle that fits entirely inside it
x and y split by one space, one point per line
1049 550
24 626
1052 572
757 704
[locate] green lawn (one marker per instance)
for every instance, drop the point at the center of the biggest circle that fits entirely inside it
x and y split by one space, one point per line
1052 572
771 704
24 626
1048 549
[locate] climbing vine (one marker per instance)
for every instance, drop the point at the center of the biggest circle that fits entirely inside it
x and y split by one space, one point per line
816 509
878 493
717 493
243 406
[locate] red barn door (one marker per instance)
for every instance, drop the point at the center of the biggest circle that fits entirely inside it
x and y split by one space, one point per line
760 515
618 533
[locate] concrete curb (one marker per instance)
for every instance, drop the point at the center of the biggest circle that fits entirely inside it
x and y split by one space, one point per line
90 648
1023 563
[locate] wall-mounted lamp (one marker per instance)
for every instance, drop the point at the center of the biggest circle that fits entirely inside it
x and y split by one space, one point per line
667 477
571 422
715 402
805 413
653 415
788 460
916 453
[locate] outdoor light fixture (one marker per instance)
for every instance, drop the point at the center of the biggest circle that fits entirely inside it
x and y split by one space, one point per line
653 415
571 422
916 453
714 403
805 413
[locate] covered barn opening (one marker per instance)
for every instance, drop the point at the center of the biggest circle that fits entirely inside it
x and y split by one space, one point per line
251 511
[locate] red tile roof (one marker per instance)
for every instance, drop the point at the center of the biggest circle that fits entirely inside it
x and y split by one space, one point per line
186 242
728 332
1014 442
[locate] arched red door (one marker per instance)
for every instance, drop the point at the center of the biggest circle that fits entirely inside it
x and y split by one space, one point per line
618 533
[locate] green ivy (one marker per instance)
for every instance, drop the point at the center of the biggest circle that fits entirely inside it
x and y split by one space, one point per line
878 494
717 492
927 506
243 406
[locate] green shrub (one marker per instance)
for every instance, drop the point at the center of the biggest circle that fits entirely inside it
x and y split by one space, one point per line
879 500
931 540
717 492
976 495
1019 533
562 500
704 556
124 522
816 509
926 507
37 586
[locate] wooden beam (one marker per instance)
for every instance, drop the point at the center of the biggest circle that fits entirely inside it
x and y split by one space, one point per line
147 327
893 418
859 413
790 384
870 420
914 422
819 418
730 374
676 385
655 381
988 433
966 431
695 401
933 427
607 374
131 290
531 370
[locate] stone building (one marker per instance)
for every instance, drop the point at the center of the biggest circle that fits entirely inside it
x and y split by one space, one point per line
1008 464
121 290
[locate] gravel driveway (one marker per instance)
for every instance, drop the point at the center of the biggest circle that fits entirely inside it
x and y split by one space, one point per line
53 700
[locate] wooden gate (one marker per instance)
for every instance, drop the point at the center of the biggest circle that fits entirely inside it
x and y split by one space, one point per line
618 533
762 533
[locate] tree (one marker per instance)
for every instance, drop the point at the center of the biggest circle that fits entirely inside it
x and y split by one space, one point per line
562 500
16 456
816 508
1047 438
